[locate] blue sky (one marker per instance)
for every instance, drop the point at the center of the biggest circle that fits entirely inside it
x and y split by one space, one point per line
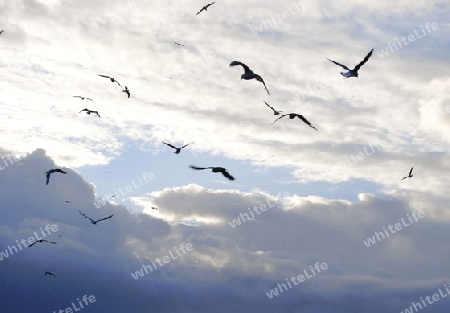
332 190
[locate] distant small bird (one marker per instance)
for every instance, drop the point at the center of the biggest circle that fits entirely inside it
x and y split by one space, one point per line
248 74
82 98
353 72
41 241
294 115
178 44
1 32
67 201
409 175
89 112
127 91
215 170
55 170
113 80
50 273
177 150
155 208
95 222
205 8
275 112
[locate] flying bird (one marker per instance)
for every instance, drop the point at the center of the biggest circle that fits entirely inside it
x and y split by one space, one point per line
50 273
89 112
205 8
113 80
215 170
178 44
41 241
177 150
55 170
95 222
275 112
67 201
127 91
353 72
155 208
248 74
1 32
409 175
82 98
294 115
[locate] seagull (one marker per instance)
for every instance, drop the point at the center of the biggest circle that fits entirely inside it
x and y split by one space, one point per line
82 98
113 80
95 222
178 44
177 150
155 208
275 112
41 241
249 74
55 170
50 273
205 8
127 91
89 112
353 72
409 175
215 170
294 115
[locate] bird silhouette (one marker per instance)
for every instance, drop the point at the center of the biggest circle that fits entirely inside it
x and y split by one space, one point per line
127 91
155 208
205 8
82 98
89 112
294 115
112 79
50 273
410 175
215 170
249 74
41 241
178 44
177 150
55 170
95 222
1 32
353 72
275 112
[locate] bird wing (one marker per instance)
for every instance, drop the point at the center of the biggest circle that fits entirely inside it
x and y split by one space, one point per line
341 65
227 175
103 76
234 63
185 146
169 144
48 177
357 67
306 121
96 112
105 218
202 9
198 168
89 99
78 97
404 178
118 83
61 171
269 106
259 78
86 216
279 118
84 110
32 244
410 172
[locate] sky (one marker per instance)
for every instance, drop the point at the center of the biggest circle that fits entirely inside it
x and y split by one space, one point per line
315 221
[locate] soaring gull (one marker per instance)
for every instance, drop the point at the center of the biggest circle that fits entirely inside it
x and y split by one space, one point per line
55 170
353 72
215 170
89 112
409 175
50 273
113 80
127 91
205 8
249 74
177 150
294 115
95 222
82 98
41 241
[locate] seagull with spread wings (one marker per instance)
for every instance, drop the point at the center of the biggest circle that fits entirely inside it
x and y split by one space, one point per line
177 150
294 115
205 8
248 74
275 112
82 98
353 72
127 91
55 170
41 241
89 112
410 175
95 222
215 170
113 80
178 44
50 273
